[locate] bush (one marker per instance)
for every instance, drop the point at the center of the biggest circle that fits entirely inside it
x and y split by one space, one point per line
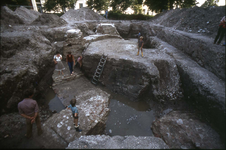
120 16
58 14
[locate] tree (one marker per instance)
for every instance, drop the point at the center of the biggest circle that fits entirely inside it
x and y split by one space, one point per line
137 5
209 3
120 5
57 5
157 5
98 4
160 5
15 2
188 3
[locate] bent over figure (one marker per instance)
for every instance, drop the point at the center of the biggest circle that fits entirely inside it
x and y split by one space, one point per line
74 114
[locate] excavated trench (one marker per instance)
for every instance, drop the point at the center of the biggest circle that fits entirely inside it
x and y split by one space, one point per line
131 113
139 95
143 90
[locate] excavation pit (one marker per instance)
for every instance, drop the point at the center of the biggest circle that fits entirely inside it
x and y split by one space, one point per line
180 78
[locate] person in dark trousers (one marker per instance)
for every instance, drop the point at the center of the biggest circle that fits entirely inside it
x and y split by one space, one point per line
74 114
106 14
28 108
71 62
140 46
221 31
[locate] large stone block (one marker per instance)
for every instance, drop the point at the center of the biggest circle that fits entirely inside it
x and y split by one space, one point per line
182 130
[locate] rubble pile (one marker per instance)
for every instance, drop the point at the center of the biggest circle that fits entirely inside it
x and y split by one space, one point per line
9 18
27 15
50 20
81 14
204 21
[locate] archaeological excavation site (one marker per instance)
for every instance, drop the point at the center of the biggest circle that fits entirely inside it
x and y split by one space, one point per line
171 98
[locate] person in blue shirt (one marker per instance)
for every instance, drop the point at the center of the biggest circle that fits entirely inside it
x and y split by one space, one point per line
106 14
74 114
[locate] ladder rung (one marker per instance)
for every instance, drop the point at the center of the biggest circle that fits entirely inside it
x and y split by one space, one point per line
99 67
94 82
95 79
97 76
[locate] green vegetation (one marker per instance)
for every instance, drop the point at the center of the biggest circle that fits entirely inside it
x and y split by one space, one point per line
98 4
13 4
136 5
119 16
58 5
209 3
161 5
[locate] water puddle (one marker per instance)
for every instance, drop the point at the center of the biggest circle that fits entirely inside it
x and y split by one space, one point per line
125 120
128 117
53 101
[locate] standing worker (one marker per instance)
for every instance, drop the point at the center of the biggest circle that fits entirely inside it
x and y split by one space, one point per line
58 64
106 14
28 108
221 31
70 61
140 46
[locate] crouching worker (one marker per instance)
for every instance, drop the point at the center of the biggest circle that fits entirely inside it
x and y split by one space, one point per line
74 114
28 108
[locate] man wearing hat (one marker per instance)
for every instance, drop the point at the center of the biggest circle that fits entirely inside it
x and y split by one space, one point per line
140 46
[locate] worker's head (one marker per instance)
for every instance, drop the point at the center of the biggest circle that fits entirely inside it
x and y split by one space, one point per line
69 53
141 37
73 102
28 93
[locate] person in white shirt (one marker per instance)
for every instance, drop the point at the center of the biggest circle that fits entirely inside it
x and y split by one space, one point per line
59 65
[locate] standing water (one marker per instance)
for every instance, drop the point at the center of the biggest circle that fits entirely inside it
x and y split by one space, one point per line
53 101
128 117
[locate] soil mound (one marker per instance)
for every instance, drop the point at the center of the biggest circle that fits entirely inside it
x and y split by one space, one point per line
81 15
50 20
9 17
196 20
27 15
